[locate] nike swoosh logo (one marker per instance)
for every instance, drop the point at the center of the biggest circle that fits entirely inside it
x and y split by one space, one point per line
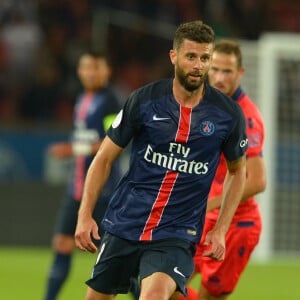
156 118
178 272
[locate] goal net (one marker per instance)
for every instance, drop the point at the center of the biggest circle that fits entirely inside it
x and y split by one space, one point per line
272 79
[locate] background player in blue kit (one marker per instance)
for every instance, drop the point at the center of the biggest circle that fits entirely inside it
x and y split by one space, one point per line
94 111
178 128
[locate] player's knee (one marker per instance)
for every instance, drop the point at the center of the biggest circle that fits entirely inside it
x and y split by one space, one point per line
63 244
154 295
93 295
156 292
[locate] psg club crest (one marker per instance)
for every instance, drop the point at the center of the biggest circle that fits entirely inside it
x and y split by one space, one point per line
207 128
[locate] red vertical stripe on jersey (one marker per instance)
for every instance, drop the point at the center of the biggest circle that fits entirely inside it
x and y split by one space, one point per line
169 180
184 124
84 106
159 205
80 160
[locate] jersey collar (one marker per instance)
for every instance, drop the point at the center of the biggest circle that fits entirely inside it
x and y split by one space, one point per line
238 94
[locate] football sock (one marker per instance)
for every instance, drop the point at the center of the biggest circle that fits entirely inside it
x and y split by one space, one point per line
191 295
58 274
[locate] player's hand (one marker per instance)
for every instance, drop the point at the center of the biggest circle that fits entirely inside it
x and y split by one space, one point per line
61 150
84 230
216 245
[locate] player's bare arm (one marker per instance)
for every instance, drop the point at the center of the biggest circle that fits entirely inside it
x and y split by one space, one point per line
255 177
232 192
95 180
255 182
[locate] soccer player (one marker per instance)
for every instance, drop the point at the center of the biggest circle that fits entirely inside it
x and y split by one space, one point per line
94 111
219 279
178 128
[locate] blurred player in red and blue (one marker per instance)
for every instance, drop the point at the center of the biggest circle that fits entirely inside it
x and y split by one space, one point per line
219 279
178 128
94 112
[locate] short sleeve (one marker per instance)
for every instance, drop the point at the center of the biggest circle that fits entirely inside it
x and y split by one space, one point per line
236 144
126 124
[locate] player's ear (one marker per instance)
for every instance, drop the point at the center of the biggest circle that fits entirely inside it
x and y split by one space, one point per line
242 71
172 54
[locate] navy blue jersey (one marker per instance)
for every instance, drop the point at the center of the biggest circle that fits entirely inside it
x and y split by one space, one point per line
93 114
174 156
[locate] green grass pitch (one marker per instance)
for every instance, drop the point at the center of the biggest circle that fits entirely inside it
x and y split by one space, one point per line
23 273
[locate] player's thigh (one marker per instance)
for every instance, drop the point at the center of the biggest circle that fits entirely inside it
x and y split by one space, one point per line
221 277
172 257
116 264
157 286
243 237
94 295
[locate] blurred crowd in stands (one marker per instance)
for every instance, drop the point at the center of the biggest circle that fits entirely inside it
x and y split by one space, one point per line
40 41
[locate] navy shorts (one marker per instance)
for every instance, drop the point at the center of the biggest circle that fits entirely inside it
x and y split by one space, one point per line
120 260
67 217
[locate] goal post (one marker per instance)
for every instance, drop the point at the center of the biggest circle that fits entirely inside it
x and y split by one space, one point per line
282 134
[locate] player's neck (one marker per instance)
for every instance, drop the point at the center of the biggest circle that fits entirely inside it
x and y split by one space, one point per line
187 98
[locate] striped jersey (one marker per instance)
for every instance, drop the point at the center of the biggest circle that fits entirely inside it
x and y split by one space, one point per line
247 210
93 114
174 155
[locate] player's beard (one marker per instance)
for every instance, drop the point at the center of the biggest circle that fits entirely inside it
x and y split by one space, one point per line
184 80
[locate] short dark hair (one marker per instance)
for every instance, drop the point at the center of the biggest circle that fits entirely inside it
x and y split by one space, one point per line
230 47
97 54
196 31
